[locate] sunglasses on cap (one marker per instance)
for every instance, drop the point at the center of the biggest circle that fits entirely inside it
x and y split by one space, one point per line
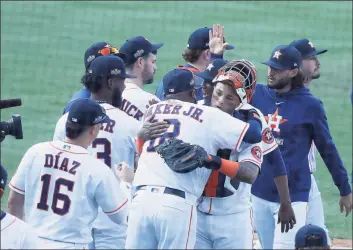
108 50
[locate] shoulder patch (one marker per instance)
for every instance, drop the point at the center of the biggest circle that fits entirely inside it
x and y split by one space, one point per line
267 136
257 153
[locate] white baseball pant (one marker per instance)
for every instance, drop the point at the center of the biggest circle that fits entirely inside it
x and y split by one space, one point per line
265 221
231 231
161 221
316 209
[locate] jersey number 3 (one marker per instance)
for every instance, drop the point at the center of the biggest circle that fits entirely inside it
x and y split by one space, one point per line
175 124
57 196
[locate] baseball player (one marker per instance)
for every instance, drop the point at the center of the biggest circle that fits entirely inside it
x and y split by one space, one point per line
204 45
95 50
58 185
115 142
141 61
311 70
163 211
231 201
207 75
296 119
311 237
15 233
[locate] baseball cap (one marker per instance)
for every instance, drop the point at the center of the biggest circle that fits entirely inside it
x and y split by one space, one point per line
109 66
86 112
137 47
177 81
212 70
199 39
310 236
284 57
99 49
3 177
306 48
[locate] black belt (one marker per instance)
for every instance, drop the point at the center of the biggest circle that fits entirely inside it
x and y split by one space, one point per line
167 190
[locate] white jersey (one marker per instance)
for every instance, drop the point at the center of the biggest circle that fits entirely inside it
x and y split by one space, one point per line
136 101
17 234
115 142
63 186
240 200
312 158
208 127
268 140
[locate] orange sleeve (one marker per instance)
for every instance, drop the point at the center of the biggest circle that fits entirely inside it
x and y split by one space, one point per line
229 168
139 145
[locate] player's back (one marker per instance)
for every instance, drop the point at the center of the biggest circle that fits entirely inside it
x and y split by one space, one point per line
136 101
116 140
60 184
208 127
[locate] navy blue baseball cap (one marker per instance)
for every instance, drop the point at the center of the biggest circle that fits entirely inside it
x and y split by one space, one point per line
199 39
3 177
306 48
86 112
109 66
100 49
177 81
284 57
310 236
136 47
212 70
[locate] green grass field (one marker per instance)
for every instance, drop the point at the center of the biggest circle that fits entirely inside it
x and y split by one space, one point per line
42 47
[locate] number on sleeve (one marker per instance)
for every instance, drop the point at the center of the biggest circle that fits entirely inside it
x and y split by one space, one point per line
175 124
106 154
57 196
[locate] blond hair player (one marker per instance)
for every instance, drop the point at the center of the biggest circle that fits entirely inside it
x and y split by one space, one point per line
58 185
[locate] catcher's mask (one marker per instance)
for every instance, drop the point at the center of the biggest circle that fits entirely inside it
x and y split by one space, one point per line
242 75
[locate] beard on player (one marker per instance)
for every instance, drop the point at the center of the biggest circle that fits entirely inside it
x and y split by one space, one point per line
148 74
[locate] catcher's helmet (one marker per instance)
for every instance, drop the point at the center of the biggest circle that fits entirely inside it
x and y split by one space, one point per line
242 75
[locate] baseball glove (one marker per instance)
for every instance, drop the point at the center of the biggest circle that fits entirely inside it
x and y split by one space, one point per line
182 157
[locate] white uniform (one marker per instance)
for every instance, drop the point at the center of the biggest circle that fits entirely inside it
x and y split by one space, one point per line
225 218
63 186
166 221
17 234
135 100
115 143
315 207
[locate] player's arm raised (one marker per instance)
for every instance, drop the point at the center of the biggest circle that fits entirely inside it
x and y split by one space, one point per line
331 157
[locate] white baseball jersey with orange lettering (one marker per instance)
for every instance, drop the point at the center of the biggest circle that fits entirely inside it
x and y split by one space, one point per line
190 123
17 234
115 142
135 101
63 186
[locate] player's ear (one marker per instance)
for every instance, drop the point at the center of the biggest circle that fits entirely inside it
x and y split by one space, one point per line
140 62
110 83
1 192
293 72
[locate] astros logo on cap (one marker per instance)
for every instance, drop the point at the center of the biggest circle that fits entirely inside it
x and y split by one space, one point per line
277 54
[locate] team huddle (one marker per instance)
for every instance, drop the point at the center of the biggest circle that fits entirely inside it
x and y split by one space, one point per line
103 183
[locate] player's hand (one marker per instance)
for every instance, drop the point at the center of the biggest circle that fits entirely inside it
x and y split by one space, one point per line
124 172
216 36
152 129
286 217
151 102
346 204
